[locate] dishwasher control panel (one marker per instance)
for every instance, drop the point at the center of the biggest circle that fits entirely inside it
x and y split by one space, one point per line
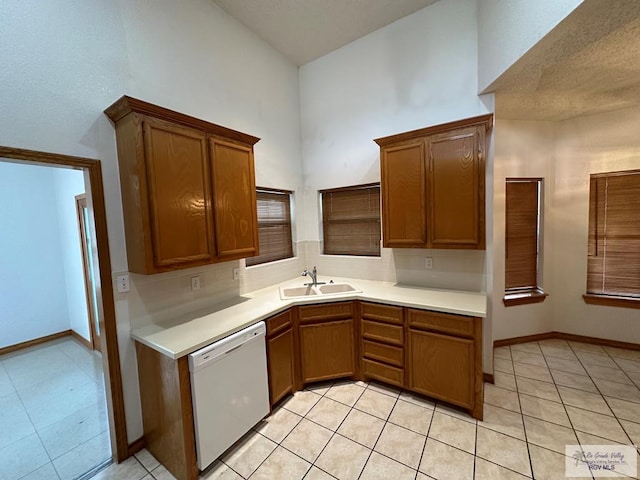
223 346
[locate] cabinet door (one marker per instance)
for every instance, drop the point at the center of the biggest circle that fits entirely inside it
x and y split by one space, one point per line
280 361
441 366
179 194
327 350
456 189
234 199
403 180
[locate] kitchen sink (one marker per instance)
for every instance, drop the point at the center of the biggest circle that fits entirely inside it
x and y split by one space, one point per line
297 292
319 290
336 288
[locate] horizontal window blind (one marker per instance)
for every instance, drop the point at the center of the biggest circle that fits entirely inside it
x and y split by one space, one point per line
274 226
613 264
351 220
522 227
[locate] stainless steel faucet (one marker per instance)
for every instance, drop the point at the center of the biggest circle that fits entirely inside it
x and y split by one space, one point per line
314 277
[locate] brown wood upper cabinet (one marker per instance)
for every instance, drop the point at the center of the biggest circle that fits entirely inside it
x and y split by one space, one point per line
234 192
188 188
433 186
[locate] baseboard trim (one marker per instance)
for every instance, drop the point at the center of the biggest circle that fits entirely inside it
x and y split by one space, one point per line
34 342
488 378
566 336
596 341
86 343
136 446
524 339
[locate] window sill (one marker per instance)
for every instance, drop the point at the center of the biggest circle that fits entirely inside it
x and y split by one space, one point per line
611 300
524 297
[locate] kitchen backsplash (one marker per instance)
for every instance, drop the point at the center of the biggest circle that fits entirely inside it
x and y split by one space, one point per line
164 297
452 269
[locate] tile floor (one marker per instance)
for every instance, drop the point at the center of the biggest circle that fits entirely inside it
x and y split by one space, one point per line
546 394
53 419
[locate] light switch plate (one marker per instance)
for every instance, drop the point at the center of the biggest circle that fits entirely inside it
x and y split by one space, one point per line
236 273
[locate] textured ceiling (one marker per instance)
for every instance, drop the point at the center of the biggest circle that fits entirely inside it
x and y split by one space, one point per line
590 63
304 30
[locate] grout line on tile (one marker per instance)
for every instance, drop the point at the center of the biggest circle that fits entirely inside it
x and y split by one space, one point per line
601 395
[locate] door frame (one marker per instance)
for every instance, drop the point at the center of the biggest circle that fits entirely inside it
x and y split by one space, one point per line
104 286
81 204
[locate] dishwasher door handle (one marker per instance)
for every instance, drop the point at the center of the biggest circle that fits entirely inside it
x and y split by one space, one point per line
237 347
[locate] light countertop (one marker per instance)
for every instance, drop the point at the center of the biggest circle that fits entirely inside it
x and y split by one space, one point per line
185 335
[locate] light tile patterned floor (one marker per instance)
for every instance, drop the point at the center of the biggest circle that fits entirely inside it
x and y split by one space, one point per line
53 419
546 394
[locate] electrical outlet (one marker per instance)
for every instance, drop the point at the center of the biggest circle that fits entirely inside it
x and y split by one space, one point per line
428 263
122 282
236 273
195 283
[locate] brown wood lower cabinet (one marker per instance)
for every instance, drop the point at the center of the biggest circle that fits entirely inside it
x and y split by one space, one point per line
382 343
167 411
441 367
434 354
280 355
444 358
327 341
326 350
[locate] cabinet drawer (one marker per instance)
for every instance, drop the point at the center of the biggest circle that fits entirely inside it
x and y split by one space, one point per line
278 322
382 313
332 311
382 331
442 322
383 353
384 373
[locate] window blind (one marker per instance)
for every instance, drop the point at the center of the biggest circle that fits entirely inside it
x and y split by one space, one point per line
522 227
351 220
274 226
613 263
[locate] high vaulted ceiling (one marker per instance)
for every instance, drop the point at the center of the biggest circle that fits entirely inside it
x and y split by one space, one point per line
304 30
588 64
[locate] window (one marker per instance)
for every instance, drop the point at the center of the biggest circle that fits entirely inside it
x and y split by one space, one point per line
274 226
522 241
613 261
351 220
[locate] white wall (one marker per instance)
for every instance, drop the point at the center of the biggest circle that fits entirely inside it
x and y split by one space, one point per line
41 279
411 74
592 144
67 184
64 62
523 149
507 29
565 154
192 57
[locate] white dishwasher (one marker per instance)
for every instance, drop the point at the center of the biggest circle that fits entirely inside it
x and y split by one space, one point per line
230 390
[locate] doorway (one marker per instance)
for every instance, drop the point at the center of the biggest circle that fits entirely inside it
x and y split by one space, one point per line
104 301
